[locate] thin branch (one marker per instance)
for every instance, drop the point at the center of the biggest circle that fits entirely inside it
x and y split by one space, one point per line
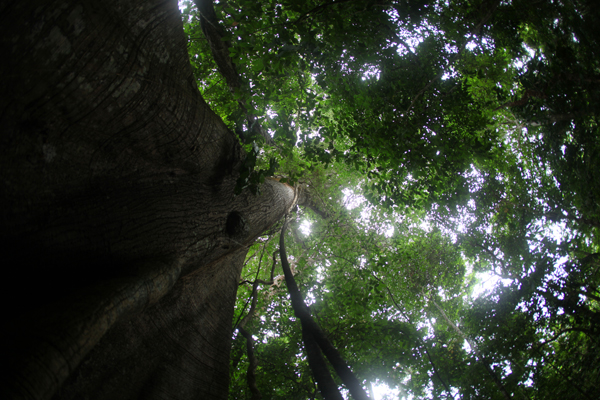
251 373
478 354
254 295
249 258
251 298
560 333
273 266
421 342
253 362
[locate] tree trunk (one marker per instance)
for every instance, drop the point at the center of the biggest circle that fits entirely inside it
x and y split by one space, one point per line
178 349
119 229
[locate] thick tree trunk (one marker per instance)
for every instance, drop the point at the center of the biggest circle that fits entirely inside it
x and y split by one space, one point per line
119 228
178 349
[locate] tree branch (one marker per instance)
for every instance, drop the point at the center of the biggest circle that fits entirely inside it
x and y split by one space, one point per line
563 331
311 328
305 199
251 373
478 354
253 362
214 33
421 342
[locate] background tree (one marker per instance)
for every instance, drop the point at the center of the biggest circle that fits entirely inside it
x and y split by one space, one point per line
430 103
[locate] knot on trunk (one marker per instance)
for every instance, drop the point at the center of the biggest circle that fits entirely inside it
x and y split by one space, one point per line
236 226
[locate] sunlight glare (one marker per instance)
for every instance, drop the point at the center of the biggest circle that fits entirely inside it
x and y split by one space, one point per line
352 200
305 227
380 391
486 282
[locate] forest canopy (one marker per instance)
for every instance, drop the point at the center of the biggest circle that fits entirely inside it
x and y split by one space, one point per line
450 153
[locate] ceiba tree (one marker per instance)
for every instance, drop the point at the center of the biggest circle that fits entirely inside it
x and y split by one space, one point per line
122 237
123 227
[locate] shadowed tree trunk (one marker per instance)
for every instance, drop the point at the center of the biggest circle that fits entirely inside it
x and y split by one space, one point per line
122 240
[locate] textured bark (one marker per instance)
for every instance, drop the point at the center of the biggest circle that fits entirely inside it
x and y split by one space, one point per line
118 222
178 349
